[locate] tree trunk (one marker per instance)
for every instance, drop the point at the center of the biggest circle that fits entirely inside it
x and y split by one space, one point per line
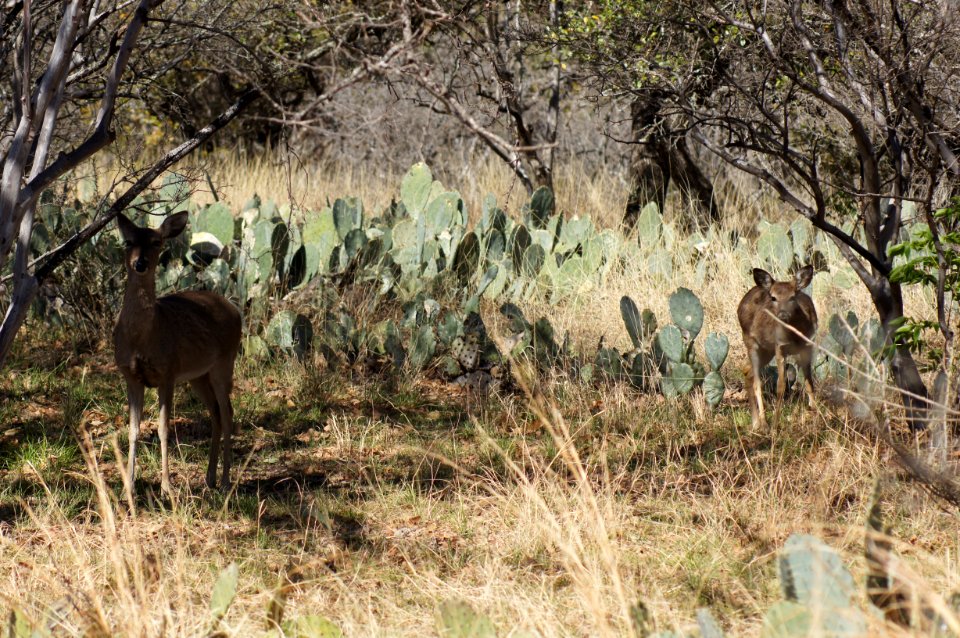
888 300
649 172
695 185
659 156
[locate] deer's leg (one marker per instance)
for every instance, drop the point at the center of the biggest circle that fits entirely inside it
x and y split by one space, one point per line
205 391
222 382
165 395
781 382
758 359
805 360
135 404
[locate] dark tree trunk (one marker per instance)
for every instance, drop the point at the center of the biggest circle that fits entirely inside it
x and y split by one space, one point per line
660 156
888 300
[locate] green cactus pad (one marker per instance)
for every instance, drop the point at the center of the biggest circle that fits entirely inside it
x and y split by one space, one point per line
494 246
422 346
541 207
467 257
843 333
354 242
632 320
217 220
520 240
678 381
517 322
713 388
660 264
262 251
709 627
319 239
686 312
775 248
649 225
459 620
801 237
415 189
575 231
642 369
609 362
347 215
811 572
716 347
533 258
670 341
443 212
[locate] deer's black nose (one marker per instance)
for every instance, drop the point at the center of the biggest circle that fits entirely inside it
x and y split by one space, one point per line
140 265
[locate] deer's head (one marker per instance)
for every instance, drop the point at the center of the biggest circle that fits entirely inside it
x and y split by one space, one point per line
784 296
143 246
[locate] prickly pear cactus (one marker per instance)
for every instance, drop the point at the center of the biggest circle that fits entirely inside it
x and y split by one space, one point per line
541 207
716 347
458 620
649 225
217 220
819 590
774 247
678 381
671 343
686 312
713 388
415 189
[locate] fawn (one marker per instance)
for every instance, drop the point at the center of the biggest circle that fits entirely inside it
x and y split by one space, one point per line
777 319
187 336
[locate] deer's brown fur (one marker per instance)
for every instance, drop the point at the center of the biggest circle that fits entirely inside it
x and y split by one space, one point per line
778 319
187 336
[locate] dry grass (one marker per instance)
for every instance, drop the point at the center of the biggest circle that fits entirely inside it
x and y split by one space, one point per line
552 511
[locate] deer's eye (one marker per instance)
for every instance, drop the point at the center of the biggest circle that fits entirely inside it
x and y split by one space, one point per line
155 243
128 244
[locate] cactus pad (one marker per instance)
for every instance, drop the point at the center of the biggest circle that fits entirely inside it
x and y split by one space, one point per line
716 347
686 312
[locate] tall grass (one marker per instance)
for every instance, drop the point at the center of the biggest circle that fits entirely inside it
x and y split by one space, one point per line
567 505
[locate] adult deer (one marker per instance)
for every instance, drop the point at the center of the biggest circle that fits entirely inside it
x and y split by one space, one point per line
188 336
777 319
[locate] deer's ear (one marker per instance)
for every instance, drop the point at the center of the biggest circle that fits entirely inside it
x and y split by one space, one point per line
173 225
128 230
804 276
763 278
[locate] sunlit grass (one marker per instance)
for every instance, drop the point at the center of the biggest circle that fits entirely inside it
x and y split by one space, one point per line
553 511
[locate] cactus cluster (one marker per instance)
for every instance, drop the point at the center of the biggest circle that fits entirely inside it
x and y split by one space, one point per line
419 243
667 353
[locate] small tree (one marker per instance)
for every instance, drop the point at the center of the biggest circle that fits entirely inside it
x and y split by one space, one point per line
846 110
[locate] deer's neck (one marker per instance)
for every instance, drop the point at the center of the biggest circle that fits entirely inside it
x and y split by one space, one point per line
139 302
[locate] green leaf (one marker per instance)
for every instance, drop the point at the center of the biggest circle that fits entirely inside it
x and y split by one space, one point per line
224 591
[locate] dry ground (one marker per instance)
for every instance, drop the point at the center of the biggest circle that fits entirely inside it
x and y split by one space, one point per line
376 499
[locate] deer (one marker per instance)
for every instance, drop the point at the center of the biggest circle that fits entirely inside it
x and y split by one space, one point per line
189 336
778 319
